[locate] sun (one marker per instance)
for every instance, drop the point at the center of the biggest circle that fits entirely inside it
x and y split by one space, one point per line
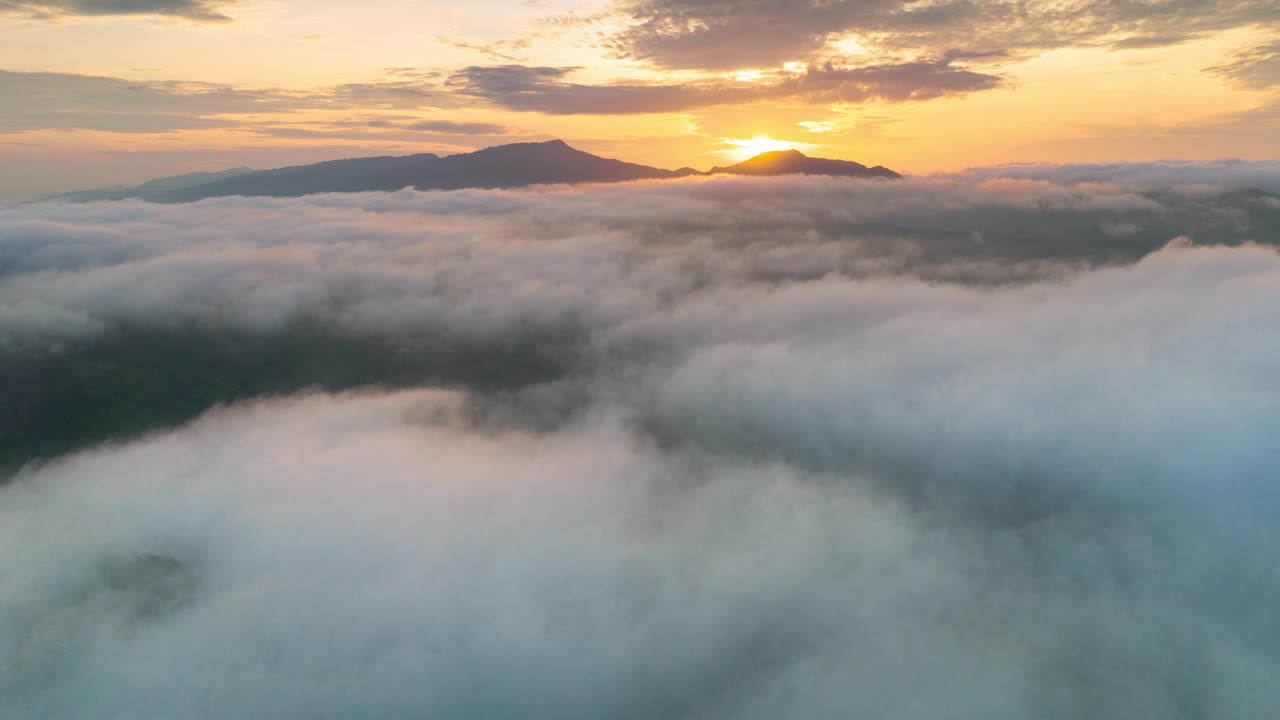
743 149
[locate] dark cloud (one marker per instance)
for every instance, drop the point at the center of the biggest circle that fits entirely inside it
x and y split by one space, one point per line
725 35
198 10
894 82
728 34
718 447
545 89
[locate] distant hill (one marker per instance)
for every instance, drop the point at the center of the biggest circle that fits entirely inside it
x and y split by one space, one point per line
794 162
514 165
177 182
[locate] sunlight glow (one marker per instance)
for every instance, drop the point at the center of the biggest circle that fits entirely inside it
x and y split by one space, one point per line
743 149
849 46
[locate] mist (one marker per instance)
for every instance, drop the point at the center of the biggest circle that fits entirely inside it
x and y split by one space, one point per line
983 446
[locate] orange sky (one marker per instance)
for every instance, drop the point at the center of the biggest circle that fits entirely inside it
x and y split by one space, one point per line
92 97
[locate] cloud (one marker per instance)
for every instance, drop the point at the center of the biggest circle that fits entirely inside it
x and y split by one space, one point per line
43 101
414 93
197 10
498 51
491 290
459 128
725 447
381 129
544 89
62 101
894 82
1257 68
726 35
1204 177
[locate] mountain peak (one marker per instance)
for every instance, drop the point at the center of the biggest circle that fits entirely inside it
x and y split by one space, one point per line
540 149
794 162
512 165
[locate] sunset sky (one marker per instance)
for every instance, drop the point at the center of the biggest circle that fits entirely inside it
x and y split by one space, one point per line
94 93
986 433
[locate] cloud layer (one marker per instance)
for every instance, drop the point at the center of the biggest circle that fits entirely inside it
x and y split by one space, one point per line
496 289
976 447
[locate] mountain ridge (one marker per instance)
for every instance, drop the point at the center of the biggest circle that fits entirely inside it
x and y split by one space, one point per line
499 166
791 162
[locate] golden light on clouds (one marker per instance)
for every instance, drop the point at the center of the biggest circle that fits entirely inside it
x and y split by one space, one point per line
821 126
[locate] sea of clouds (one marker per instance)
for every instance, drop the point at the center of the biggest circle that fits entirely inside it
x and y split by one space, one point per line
985 446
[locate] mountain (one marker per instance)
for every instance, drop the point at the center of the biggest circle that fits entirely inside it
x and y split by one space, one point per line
794 162
514 165
177 182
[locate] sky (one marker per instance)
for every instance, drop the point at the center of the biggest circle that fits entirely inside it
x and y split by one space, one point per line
99 92
992 441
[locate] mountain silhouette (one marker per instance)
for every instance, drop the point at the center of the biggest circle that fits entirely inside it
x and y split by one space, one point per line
503 166
164 184
793 162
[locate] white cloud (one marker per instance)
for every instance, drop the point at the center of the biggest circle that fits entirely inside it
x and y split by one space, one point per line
731 447
1192 178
